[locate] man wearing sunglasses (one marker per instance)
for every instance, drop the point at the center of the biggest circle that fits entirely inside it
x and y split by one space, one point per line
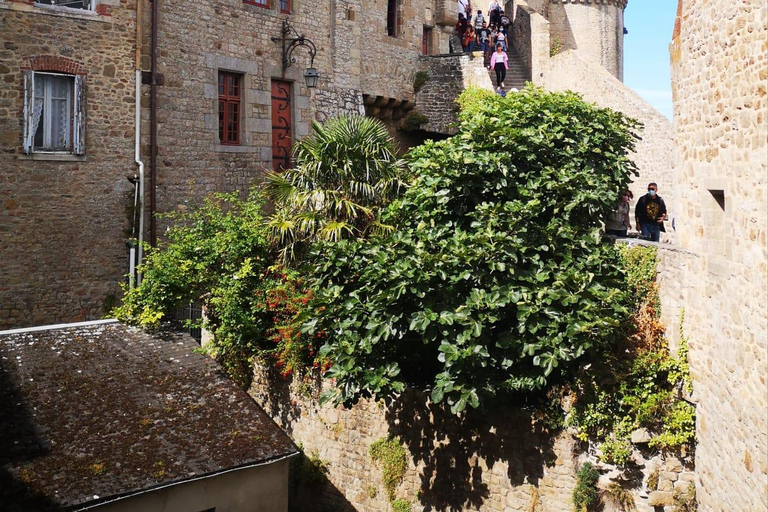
650 213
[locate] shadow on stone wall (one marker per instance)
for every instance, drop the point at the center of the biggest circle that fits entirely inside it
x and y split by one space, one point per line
479 460
457 453
320 496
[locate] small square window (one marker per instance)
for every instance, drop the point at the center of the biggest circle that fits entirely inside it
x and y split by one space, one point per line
54 113
285 6
74 4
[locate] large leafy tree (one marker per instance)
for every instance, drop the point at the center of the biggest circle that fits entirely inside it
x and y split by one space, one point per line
495 279
345 171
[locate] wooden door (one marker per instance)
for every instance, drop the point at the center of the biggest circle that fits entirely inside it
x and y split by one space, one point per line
282 124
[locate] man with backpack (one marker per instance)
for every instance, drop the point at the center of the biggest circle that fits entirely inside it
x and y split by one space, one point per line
650 213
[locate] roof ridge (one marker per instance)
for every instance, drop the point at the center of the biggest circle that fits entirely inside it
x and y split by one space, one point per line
52 327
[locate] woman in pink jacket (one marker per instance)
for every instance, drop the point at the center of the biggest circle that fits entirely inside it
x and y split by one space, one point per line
500 64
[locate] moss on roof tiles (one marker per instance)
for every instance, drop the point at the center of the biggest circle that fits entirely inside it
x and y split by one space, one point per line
109 410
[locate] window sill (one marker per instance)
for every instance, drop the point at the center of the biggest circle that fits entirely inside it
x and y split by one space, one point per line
56 10
53 157
222 148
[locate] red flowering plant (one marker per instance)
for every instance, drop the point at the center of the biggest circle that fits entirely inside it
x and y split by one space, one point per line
282 299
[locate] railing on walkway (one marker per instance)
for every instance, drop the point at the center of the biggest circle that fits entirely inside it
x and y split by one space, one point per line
188 318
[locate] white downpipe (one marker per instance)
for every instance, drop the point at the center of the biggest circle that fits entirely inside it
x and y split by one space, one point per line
137 156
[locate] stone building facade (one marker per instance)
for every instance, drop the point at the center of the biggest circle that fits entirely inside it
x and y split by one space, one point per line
720 75
67 207
367 55
63 189
594 28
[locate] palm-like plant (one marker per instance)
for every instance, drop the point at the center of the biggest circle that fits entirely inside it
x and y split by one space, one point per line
346 171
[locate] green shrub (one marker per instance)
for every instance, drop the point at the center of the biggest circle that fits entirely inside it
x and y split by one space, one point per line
218 254
638 385
401 506
495 279
413 121
586 496
346 170
419 79
641 263
393 459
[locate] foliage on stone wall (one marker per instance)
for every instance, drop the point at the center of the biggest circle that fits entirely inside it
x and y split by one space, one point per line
223 253
495 279
219 254
586 496
419 79
390 455
641 384
413 121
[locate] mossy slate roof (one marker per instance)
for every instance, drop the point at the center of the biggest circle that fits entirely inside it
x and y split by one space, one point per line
92 413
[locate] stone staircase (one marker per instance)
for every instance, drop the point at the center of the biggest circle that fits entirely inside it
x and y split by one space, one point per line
517 74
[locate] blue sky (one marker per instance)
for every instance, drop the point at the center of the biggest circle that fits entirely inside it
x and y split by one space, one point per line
646 50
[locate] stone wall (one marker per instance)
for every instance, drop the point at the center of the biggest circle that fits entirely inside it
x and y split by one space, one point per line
500 460
531 37
720 68
655 153
595 29
64 218
447 77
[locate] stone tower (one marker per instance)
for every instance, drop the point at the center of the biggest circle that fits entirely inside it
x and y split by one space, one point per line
593 27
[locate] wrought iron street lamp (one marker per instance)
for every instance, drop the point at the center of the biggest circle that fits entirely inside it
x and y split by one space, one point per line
290 40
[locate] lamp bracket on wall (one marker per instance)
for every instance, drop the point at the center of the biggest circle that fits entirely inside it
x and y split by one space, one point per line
291 39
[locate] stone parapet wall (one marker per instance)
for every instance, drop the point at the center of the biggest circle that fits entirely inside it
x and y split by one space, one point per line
719 75
500 462
594 28
447 77
531 38
64 220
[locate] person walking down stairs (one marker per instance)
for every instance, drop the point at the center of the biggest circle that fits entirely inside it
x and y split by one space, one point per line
500 64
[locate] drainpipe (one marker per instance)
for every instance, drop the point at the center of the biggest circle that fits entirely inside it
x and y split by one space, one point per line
137 252
153 130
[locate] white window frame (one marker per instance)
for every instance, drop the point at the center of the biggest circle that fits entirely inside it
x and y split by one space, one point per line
76 116
60 3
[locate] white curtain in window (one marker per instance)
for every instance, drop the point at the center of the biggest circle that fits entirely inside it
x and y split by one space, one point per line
60 94
37 106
